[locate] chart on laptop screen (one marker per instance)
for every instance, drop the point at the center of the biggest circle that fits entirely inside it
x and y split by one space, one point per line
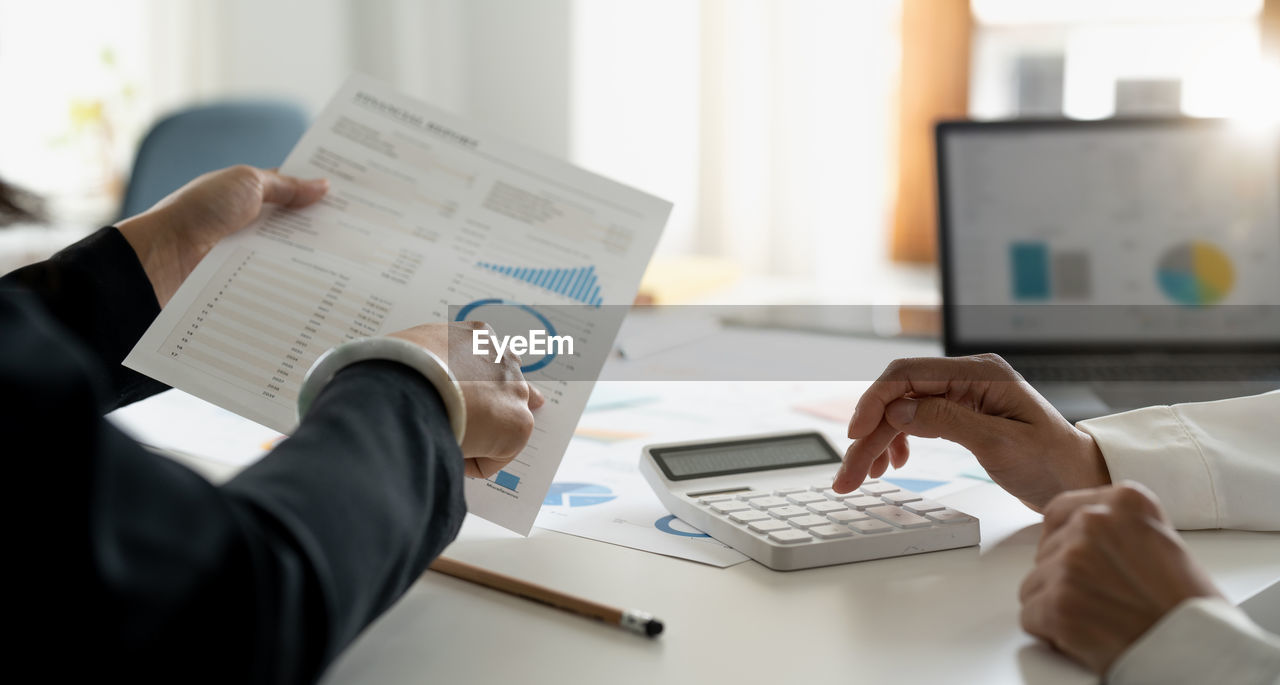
1175 227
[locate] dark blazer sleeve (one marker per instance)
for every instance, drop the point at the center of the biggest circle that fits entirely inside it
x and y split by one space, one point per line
261 580
96 289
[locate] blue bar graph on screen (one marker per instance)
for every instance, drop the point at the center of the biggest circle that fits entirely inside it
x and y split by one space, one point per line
1030 263
579 284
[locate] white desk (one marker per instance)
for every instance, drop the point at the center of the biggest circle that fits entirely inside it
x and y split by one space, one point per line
936 618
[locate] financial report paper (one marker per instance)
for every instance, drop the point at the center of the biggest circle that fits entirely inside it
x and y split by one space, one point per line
427 218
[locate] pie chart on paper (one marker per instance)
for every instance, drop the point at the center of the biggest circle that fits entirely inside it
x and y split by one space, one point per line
577 495
1195 273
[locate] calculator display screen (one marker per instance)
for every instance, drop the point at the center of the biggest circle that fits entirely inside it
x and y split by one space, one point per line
743 456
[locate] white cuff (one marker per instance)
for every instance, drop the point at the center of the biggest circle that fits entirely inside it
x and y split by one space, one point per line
389 349
1201 640
1153 447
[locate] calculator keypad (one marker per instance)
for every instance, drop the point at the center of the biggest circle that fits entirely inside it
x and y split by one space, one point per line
729 507
876 488
808 521
788 528
863 501
787 512
826 507
898 517
769 526
790 537
795 515
803 498
748 516
830 531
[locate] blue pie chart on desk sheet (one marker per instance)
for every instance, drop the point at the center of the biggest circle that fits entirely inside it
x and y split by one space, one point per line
577 495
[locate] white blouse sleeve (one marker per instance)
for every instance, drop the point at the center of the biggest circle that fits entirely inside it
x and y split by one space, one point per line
1212 464
1200 641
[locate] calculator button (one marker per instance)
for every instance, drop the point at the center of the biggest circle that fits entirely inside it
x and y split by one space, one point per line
826 506
768 502
787 512
847 516
789 537
805 498
715 498
878 488
863 501
748 516
870 526
924 506
840 496
948 516
729 507
783 492
898 517
753 495
808 521
768 526
830 532
901 497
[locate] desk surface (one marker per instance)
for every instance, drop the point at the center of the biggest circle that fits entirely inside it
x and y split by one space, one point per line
936 618
941 617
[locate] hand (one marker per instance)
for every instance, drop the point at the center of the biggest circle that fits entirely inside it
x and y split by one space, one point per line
982 403
1108 567
174 235
499 401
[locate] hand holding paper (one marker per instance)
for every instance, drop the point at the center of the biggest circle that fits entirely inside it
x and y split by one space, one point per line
427 219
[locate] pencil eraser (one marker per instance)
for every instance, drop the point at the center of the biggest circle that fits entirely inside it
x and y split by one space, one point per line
653 627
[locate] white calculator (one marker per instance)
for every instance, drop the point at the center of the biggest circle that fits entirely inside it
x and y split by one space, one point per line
769 496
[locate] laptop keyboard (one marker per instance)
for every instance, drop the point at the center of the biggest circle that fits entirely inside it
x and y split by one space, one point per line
1264 367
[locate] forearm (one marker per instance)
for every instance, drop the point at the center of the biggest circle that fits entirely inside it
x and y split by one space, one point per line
1212 464
97 290
369 495
288 562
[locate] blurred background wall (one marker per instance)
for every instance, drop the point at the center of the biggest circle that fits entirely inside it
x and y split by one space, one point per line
792 135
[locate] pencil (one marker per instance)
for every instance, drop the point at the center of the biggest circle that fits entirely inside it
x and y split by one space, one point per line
639 622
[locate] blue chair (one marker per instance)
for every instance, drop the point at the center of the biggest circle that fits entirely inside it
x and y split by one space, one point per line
188 143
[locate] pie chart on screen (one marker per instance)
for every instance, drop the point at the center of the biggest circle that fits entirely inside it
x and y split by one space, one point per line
1195 273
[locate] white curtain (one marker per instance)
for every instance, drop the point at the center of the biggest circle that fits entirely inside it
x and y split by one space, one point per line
768 122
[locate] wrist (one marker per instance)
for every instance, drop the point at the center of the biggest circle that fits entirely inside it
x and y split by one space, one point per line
1087 467
432 368
147 235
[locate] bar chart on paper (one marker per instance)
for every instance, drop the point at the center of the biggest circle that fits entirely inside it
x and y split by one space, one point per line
579 285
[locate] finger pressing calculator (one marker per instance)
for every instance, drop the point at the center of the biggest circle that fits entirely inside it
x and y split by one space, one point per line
769 496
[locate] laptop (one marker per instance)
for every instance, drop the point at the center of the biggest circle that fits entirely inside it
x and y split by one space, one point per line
1115 264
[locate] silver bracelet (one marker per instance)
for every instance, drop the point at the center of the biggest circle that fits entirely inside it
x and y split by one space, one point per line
389 349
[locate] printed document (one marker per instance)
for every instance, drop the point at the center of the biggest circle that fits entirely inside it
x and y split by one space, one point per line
428 219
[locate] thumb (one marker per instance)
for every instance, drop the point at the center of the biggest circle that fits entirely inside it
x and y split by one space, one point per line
536 398
936 417
291 191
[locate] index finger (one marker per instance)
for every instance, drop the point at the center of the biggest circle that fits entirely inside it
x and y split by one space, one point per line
917 376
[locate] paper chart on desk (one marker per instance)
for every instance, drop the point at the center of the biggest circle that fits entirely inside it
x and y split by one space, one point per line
424 212
602 498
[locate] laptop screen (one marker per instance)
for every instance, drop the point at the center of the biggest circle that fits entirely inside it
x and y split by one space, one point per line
1130 234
